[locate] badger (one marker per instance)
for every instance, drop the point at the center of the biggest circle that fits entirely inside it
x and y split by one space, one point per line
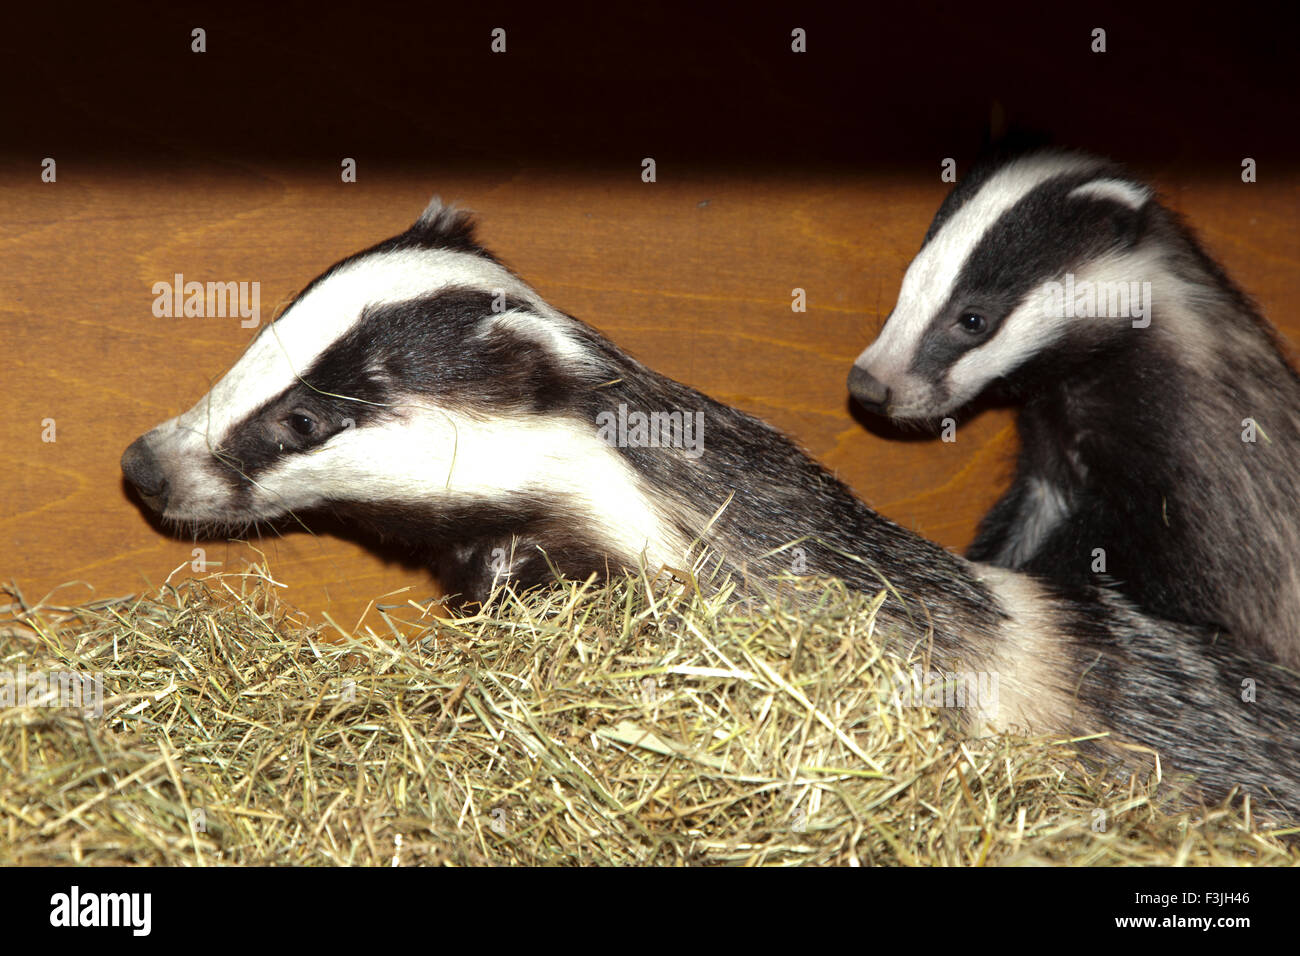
1159 420
423 390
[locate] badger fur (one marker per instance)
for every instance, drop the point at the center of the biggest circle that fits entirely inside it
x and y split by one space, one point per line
1159 421
423 389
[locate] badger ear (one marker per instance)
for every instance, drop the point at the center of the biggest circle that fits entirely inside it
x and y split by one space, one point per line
444 225
1123 191
1121 203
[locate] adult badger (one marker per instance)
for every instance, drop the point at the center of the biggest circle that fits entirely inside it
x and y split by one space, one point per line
1159 421
422 388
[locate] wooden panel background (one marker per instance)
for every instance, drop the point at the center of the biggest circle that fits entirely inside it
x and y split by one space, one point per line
693 274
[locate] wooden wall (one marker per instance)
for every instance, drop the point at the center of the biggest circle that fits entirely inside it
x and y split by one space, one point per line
693 274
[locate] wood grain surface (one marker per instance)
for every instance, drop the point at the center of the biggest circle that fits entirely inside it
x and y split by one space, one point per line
773 174
694 277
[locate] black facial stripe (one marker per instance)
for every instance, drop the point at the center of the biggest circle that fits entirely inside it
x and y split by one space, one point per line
446 346
256 443
442 346
1042 236
990 162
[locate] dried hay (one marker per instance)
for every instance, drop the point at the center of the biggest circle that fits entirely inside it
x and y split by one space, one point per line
629 723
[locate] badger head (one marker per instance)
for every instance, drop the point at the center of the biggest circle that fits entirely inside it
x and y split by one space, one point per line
995 284
424 387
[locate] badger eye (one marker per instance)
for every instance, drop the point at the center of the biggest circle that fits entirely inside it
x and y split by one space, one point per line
973 323
304 425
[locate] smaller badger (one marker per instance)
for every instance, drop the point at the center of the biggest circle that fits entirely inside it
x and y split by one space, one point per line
422 389
1159 421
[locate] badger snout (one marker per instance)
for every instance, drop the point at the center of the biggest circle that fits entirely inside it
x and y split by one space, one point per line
141 467
868 390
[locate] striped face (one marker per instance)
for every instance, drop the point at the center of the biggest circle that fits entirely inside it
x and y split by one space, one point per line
419 375
977 302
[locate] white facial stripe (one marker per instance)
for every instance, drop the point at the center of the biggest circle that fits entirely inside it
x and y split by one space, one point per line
429 457
1118 190
1026 331
328 311
1030 329
932 275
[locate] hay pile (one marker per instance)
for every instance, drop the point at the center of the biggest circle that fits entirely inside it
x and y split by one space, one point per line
620 724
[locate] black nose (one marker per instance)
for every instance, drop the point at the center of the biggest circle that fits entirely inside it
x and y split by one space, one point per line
142 470
868 390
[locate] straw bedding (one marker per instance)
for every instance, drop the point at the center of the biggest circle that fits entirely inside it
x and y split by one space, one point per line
629 723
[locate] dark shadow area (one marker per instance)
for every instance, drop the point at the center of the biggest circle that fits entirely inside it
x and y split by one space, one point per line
927 431
326 524
585 86
148 514
315 523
